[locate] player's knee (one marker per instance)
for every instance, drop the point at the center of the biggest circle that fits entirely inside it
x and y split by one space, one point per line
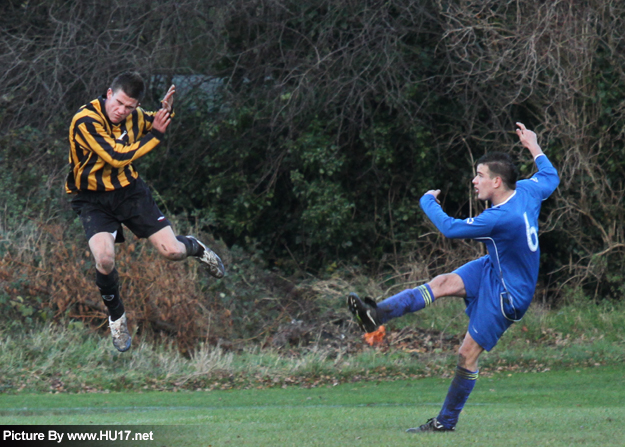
105 263
449 284
173 252
468 357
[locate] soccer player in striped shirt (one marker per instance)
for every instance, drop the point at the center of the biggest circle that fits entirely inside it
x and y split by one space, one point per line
106 136
497 288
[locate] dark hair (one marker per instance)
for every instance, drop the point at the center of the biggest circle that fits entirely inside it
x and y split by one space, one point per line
131 83
502 165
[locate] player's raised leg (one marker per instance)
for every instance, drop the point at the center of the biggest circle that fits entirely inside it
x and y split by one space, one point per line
179 247
369 314
102 246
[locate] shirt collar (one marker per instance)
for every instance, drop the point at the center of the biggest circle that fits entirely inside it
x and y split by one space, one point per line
505 201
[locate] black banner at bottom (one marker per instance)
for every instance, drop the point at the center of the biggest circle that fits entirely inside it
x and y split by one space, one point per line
92 435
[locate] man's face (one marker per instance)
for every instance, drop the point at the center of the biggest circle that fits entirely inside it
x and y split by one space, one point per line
119 105
485 185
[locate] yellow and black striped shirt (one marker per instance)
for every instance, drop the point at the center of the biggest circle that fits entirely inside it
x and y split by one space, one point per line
101 153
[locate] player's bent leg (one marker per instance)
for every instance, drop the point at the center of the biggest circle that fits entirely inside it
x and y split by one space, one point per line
407 301
176 248
166 243
369 315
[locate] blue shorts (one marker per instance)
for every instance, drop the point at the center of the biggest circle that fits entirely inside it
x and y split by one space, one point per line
483 300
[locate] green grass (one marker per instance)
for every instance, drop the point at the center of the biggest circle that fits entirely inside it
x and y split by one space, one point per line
582 406
581 320
71 358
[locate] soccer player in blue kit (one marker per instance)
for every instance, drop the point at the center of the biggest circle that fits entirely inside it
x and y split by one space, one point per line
497 288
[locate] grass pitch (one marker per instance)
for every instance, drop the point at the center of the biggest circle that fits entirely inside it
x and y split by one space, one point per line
554 408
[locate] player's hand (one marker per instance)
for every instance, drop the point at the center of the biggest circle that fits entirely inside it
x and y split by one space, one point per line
435 193
161 120
168 101
528 139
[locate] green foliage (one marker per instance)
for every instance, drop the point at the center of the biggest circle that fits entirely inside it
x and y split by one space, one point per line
315 167
325 122
24 312
30 181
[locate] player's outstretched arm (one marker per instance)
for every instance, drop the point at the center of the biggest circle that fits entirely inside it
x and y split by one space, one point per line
528 140
479 226
546 178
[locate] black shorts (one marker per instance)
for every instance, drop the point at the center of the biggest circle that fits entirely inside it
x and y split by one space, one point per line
132 206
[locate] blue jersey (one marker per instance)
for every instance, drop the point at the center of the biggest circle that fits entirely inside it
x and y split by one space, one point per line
509 230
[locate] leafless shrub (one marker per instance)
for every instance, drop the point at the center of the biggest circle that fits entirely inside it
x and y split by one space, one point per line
557 65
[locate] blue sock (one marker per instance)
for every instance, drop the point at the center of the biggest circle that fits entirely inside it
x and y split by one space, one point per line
410 300
457 396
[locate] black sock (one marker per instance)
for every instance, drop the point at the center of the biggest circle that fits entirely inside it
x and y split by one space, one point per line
109 289
193 248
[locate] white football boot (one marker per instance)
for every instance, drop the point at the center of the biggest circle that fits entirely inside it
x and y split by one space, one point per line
120 334
210 259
